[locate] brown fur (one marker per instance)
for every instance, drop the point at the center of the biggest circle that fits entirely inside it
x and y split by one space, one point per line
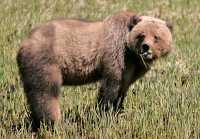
73 52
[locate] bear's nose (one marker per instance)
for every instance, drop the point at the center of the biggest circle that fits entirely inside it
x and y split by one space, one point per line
145 47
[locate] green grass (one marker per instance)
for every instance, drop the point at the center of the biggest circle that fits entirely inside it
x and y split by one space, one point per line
165 103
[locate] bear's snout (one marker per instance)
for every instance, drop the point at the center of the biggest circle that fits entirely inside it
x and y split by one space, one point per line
146 51
145 48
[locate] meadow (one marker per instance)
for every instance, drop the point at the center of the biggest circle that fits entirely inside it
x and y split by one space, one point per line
165 104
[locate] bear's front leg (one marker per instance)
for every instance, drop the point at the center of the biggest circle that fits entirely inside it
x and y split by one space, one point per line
108 94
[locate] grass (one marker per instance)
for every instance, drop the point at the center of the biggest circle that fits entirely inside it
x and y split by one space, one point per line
163 104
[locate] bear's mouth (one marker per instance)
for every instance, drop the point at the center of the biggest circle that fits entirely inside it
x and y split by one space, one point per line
147 56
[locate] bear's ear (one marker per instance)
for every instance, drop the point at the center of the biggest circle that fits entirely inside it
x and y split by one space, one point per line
169 25
133 21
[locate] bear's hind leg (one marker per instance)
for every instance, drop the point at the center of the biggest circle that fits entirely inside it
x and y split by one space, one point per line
42 91
44 108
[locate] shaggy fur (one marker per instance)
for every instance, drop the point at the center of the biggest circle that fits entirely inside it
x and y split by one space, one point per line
73 52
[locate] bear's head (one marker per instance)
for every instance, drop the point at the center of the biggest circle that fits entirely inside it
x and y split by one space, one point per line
150 38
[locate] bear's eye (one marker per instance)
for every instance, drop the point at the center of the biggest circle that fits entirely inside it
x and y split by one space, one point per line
157 38
140 36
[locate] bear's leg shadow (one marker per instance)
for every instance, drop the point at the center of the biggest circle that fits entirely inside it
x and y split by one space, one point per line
122 94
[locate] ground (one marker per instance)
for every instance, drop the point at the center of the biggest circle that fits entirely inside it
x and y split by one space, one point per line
163 104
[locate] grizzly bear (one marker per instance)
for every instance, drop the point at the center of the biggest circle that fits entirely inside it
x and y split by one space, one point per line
115 51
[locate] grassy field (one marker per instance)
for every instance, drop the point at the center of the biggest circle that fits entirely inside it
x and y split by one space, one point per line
164 104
